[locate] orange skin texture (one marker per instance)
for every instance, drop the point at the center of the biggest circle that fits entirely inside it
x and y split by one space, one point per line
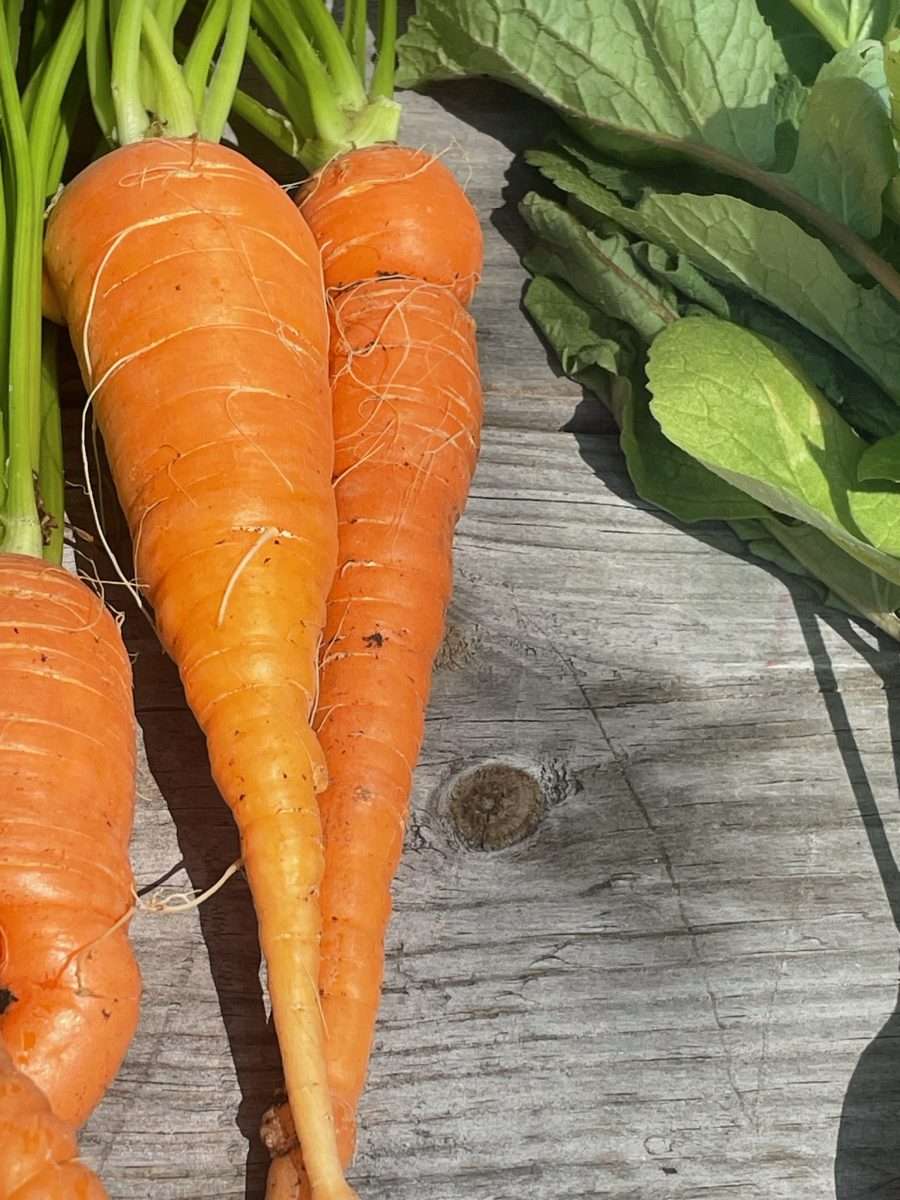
193 293
388 210
67 761
408 410
38 1155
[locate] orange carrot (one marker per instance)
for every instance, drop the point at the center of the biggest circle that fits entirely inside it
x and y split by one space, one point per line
193 293
407 405
70 985
38 1156
402 254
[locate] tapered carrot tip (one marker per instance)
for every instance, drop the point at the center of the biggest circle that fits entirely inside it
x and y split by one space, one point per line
283 1182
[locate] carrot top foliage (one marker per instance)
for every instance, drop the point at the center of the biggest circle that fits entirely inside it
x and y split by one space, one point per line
38 51
327 102
146 83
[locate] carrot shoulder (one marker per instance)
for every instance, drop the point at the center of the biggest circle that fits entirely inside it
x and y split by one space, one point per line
193 294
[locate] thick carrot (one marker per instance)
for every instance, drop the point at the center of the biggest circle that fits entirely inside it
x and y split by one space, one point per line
407 405
70 985
38 1156
193 293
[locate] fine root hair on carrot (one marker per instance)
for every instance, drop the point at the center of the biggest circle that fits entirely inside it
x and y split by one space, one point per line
132 587
375 181
265 535
161 904
255 391
76 958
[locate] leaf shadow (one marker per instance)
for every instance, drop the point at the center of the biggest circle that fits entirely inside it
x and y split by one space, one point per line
207 837
867 1156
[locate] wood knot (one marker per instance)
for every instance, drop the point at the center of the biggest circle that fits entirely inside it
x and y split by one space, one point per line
495 805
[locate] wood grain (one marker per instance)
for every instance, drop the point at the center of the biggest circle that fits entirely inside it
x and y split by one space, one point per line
673 988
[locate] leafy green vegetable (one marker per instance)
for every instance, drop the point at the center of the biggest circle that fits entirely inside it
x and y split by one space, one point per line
743 408
582 336
881 461
724 171
682 70
760 252
846 133
843 22
601 269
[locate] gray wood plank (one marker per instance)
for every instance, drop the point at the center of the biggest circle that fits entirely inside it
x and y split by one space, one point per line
672 987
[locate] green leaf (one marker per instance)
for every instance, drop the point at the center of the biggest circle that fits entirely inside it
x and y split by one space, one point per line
804 49
772 258
881 461
801 550
685 69
760 263
845 135
664 475
679 273
582 336
743 408
601 269
843 22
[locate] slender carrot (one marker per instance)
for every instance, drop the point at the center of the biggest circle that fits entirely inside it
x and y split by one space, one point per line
206 363
38 1159
401 253
69 986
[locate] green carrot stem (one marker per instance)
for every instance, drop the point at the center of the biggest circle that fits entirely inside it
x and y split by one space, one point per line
131 116
289 93
99 68
175 105
385 63
198 60
51 485
356 40
213 115
340 77
22 528
45 124
274 126
327 117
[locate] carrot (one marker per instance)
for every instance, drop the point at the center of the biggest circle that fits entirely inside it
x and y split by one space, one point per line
193 294
70 983
69 986
401 252
37 1150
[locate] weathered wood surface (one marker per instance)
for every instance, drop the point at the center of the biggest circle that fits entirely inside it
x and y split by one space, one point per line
683 983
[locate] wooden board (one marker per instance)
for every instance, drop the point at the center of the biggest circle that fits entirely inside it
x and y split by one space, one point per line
682 981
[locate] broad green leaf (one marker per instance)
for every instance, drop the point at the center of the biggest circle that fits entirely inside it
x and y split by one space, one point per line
585 339
881 461
689 70
843 22
601 269
846 135
582 336
804 49
772 258
743 408
677 272
802 550
856 397
664 475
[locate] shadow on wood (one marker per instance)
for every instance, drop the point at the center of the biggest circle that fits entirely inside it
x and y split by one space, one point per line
867 1159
